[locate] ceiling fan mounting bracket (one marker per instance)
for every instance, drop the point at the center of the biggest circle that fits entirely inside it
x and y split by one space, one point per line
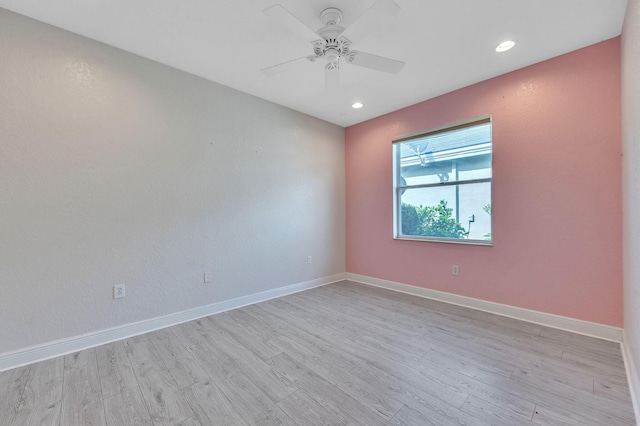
331 16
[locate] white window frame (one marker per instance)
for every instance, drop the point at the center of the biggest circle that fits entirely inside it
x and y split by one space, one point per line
397 178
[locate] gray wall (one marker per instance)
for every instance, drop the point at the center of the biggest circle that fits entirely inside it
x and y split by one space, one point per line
631 181
115 169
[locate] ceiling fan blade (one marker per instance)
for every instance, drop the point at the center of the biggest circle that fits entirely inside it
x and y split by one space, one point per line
285 66
374 62
290 22
331 79
376 16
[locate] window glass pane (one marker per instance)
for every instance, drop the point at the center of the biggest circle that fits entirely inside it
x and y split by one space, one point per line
460 154
452 211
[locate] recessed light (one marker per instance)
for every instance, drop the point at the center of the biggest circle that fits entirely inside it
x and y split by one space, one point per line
357 105
505 45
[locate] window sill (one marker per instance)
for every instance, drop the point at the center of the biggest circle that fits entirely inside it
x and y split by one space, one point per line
444 240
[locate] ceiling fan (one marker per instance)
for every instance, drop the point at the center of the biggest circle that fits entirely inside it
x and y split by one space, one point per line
332 42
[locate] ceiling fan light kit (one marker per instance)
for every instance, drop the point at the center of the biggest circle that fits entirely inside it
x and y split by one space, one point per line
333 42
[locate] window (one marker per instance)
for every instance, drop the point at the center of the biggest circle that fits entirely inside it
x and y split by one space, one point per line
442 184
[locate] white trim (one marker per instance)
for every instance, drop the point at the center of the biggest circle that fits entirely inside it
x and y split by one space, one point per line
632 376
592 329
73 344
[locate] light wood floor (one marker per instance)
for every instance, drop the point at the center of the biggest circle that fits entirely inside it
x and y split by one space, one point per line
339 354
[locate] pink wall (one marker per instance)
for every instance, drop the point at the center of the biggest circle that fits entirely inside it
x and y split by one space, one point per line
557 205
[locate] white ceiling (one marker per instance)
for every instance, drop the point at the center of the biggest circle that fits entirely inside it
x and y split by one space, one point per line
446 44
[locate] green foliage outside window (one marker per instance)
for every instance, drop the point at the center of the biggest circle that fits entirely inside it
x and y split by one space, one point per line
487 209
431 221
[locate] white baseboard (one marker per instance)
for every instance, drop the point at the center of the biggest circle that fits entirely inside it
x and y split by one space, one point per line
74 344
632 377
592 329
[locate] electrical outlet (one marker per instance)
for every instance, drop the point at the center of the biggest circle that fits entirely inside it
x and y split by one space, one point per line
309 259
207 277
455 270
118 291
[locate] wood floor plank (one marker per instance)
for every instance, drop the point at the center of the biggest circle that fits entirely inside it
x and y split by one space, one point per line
229 377
304 410
434 411
507 351
612 390
527 348
564 368
406 316
166 404
579 382
330 334
387 320
82 402
245 361
406 385
493 414
407 416
211 405
595 363
549 415
619 409
127 408
511 356
254 330
41 402
328 366
343 379
302 331
336 332
295 310
381 331
344 338
587 343
190 337
249 402
183 367
417 306
114 367
244 334
45 383
545 391
476 385
553 342
320 346
426 330
467 362
12 386
379 402
332 398
191 421
40 415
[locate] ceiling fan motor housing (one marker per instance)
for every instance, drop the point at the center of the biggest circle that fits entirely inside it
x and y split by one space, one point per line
332 46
